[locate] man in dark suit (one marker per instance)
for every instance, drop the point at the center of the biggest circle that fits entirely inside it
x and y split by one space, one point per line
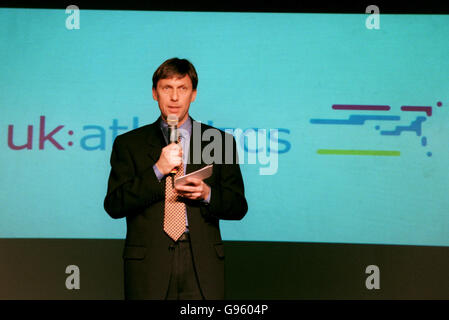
158 264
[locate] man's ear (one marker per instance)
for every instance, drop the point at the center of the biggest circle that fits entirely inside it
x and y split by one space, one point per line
155 97
193 96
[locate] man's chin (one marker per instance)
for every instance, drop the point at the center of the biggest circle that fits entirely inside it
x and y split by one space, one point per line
173 111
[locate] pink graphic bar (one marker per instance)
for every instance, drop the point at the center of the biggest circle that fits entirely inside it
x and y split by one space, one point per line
360 107
427 110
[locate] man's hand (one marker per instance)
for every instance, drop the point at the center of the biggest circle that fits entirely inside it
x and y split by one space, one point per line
194 189
171 157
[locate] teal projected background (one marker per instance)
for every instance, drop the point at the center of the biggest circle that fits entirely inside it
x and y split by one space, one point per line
362 118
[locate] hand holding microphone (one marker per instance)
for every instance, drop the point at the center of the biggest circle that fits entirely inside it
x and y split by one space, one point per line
172 121
171 155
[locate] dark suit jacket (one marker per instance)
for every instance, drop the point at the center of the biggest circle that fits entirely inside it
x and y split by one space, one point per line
135 192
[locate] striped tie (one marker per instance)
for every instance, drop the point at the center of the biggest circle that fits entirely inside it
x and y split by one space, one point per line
175 210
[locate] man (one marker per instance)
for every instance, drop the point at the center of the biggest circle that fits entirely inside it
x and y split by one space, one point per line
160 263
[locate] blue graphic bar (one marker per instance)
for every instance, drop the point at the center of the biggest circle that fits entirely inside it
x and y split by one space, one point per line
355 119
415 126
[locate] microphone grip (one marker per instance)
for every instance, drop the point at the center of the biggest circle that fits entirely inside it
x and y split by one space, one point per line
173 132
175 169
172 175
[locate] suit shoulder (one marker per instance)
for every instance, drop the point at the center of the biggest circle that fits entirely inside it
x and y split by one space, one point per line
138 133
205 127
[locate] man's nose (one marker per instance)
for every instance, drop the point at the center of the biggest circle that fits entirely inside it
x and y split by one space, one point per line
174 95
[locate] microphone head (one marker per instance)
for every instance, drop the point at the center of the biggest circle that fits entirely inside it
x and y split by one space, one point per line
172 120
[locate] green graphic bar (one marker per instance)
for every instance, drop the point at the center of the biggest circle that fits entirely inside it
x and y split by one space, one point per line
360 152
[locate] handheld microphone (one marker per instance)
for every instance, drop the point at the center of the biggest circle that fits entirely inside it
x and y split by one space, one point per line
172 121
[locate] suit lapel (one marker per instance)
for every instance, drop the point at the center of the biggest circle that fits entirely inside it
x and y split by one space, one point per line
195 139
155 140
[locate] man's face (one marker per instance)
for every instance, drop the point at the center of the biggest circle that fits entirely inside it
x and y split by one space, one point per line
174 96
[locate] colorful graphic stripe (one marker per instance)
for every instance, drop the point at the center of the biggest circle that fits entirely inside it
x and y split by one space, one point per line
427 110
355 119
415 126
360 107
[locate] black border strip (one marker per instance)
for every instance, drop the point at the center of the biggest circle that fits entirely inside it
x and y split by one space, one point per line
427 7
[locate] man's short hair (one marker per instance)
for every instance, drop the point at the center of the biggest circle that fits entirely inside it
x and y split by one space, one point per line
175 67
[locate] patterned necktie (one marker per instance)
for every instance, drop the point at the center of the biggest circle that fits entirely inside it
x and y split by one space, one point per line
175 210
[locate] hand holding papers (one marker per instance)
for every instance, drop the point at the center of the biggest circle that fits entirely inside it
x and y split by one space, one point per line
201 174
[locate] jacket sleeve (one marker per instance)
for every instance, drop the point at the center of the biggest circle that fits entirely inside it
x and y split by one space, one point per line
130 192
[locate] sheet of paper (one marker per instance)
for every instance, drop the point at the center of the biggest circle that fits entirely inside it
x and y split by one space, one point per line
202 174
